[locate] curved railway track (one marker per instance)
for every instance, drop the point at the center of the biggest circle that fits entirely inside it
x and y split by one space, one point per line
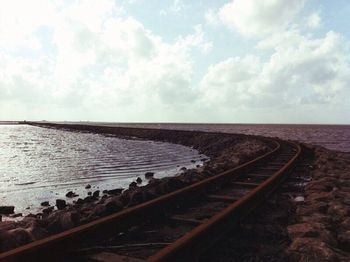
177 226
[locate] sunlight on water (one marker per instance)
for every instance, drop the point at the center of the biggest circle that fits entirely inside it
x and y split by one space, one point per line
39 164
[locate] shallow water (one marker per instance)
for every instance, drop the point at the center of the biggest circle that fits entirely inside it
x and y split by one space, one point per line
335 137
39 164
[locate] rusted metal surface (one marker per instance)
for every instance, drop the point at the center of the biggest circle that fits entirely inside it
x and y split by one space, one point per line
193 243
190 245
48 248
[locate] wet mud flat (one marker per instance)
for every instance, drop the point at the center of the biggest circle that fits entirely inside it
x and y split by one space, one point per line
225 151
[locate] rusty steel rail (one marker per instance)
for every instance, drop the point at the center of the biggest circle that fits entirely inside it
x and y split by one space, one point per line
192 244
47 248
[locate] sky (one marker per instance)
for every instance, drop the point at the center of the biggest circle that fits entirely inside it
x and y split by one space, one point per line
238 61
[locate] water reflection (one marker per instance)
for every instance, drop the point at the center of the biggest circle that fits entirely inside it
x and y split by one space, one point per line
39 164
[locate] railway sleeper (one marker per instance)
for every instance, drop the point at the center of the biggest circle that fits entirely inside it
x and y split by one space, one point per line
245 184
224 198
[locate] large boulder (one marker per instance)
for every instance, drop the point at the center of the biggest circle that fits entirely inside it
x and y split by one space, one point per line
14 238
113 205
62 220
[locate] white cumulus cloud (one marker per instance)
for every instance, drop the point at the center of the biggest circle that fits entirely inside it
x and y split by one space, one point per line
256 18
301 71
99 61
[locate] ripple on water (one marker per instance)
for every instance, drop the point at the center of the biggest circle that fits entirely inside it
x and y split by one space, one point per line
40 164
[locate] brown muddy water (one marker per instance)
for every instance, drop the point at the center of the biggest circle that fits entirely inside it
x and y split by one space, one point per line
39 164
335 137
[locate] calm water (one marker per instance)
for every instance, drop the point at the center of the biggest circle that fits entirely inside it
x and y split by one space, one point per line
39 164
335 137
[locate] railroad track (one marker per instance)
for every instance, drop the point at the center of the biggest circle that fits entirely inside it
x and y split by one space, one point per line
177 226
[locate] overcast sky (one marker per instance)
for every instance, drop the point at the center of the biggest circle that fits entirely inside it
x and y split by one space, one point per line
256 61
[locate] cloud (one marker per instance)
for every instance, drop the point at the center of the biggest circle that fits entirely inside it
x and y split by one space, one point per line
175 8
257 18
301 71
314 20
211 17
99 61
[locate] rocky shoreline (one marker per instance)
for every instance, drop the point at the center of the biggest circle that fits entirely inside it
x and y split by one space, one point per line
306 219
311 226
322 229
225 151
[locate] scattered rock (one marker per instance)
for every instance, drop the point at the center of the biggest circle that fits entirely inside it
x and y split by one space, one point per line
62 220
60 204
89 193
183 168
71 194
89 199
79 201
14 238
149 175
45 203
113 205
96 194
16 215
88 186
48 210
98 211
193 161
116 191
138 180
310 249
133 185
6 210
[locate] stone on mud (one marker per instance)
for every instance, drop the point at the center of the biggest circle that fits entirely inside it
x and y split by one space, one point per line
61 204
132 185
71 194
115 191
45 203
7 210
96 194
149 175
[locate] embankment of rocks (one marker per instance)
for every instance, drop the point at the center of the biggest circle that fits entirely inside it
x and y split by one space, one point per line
225 151
322 231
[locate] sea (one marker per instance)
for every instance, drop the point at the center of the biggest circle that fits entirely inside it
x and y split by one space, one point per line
41 164
334 137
